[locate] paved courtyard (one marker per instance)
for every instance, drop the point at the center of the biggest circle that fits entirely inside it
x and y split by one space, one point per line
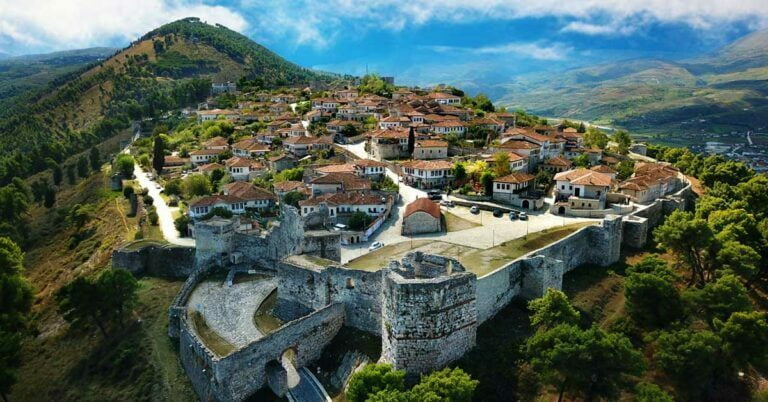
229 311
488 231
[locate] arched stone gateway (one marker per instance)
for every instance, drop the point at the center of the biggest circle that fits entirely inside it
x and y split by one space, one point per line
526 204
561 210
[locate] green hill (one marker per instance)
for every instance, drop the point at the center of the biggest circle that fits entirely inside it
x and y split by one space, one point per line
722 92
170 67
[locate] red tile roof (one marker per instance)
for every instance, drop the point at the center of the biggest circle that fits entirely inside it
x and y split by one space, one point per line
423 205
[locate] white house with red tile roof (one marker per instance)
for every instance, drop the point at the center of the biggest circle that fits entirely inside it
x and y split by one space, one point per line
515 189
427 174
249 148
449 127
203 156
345 203
582 188
244 168
216 143
444 98
338 182
254 197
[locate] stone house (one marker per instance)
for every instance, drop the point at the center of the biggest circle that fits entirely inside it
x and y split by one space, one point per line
279 163
388 143
557 164
517 163
422 216
430 149
338 182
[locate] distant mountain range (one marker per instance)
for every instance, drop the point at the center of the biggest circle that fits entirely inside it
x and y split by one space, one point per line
21 74
721 92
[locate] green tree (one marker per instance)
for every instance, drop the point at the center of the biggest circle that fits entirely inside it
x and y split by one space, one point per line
459 172
737 258
689 238
755 193
292 198
181 224
486 179
581 161
82 167
359 220
652 301
588 363
501 164
158 154
719 299
374 378
124 165
49 198
450 385
94 157
71 174
647 392
173 187
196 185
551 310
744 337
15 304
595 138
582 128
693 360
411 141
79 215
101 301
58 174
623 141
625 169
295 174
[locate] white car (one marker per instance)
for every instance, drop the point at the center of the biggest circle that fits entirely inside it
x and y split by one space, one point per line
375 246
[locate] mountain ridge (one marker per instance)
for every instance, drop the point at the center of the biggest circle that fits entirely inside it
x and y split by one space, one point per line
721 92
167 68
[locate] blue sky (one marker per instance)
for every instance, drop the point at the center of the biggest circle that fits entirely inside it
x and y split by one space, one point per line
418 42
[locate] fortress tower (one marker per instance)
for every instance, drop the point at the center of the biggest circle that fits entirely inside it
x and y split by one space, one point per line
429 313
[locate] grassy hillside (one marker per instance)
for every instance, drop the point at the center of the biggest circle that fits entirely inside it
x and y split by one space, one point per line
722 92
167 68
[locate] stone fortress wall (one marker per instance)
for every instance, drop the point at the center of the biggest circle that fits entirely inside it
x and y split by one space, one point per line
425 308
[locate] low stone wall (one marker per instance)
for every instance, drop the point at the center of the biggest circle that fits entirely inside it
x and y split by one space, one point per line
529 276
155 260
238 375
179 303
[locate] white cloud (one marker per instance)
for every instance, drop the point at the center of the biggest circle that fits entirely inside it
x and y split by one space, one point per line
531 50
65 24
314 21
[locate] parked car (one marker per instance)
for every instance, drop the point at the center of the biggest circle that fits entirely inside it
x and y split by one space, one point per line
434 195
446 203
497 213
375 246
339 226
512 215
523 216
474 209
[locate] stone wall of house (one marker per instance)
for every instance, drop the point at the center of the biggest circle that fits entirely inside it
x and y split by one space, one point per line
155 260
420 222
429 320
